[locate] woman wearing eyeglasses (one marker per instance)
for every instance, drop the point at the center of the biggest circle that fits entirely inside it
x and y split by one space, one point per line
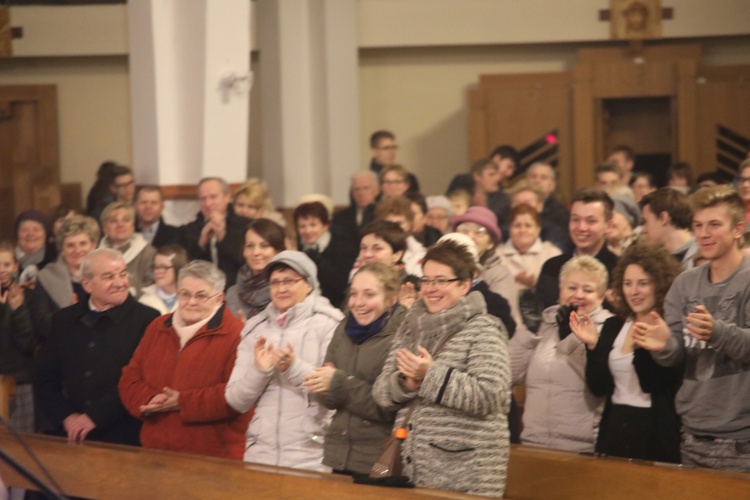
481 225
280 346
176 379
457 436
162 295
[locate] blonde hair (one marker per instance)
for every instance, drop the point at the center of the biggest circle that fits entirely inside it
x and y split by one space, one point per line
718 195
588 265
388 276
257 191
110 209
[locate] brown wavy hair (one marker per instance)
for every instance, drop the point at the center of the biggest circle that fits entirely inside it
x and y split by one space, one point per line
657 262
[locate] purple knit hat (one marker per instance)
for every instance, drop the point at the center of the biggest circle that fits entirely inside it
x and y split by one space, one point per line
482 216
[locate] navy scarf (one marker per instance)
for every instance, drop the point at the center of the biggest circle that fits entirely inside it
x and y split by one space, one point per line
359 334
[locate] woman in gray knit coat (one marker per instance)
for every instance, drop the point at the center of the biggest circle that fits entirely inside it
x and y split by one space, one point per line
458 432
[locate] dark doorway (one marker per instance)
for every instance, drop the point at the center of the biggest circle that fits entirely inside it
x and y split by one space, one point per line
646 125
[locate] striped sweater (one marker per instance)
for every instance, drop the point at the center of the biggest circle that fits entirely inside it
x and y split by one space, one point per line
458 434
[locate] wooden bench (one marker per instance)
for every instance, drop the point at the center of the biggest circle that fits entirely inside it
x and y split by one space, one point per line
7 391
107 471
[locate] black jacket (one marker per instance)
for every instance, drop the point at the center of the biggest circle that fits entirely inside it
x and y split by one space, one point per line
17 343
229 249
658 381
79 367
548 284
345 232
165 234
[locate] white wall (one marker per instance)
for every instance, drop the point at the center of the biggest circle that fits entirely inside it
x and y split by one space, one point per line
417 59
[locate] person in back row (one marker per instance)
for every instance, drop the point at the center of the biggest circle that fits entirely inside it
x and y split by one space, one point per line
706 325
217 234
590 217
667 221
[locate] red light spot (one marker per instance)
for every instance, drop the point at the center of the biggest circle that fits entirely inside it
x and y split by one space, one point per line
551 138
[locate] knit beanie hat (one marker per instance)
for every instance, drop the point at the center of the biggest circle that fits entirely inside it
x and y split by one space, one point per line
482 216
35 215
299 262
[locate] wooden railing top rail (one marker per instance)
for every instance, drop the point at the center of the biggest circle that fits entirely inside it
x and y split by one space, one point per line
96 470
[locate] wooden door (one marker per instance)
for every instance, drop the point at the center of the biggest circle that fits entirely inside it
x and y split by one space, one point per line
530 111
29 152
723 118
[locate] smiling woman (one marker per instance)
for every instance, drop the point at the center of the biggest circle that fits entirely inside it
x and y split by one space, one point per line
176 379
639 419
560 412
264 239
449 362
353 361
280 346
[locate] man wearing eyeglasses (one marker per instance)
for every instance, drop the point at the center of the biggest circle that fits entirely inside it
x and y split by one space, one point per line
78 368
384 148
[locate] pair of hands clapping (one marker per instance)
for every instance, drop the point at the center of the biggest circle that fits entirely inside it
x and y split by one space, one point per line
267 356
651 333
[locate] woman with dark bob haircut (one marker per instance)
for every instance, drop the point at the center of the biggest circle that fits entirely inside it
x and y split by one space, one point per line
458 394
264 240
639 419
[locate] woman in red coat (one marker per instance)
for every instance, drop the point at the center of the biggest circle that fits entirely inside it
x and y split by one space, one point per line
175 381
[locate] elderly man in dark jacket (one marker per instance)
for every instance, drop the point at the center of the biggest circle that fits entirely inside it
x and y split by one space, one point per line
79 366
217 234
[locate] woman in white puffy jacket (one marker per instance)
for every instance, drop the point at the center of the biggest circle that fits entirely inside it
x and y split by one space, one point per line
281 345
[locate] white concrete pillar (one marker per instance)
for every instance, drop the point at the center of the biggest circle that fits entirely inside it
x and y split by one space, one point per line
310 103
189 71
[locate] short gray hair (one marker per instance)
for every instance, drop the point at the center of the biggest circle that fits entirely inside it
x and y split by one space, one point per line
366 173
87 264
206 271
78 224
222 183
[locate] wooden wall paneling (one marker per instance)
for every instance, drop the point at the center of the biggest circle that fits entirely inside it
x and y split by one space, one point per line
29 151
626 52
523 109
478 146
723 99
634 79
584 129
686 111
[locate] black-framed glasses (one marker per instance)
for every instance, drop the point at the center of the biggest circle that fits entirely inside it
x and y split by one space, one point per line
161 267
742 180
439 282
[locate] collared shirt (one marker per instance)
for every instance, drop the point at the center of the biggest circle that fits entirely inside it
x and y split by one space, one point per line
150 232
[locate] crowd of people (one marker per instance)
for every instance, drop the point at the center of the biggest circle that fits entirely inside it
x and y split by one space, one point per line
305 341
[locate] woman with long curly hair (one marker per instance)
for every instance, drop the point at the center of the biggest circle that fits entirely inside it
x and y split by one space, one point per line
639 419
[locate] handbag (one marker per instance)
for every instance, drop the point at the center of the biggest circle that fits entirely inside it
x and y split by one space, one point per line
387 470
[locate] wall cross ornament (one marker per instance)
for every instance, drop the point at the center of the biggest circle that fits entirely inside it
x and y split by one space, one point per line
635 19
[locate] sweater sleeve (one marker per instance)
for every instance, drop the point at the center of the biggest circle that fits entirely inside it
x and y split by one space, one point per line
522 346
247 382
598 376
674 352
389 390
299 368
484 388
207 404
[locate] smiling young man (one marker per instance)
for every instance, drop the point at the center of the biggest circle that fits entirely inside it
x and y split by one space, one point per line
706 326
590 217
